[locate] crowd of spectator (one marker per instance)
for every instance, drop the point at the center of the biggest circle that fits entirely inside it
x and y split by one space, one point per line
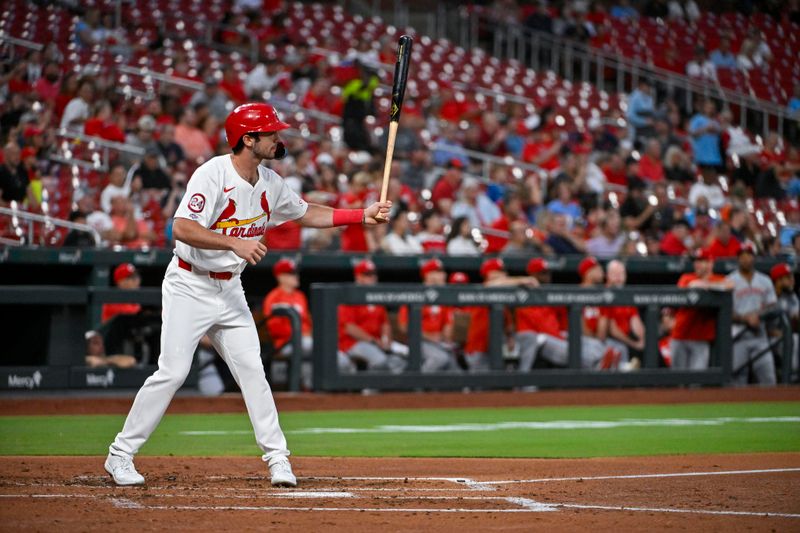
651 179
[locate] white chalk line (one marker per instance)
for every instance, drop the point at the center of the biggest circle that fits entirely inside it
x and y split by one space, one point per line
645 476
675 510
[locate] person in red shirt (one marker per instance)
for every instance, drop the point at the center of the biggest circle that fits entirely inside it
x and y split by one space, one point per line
102 124
539 330
446 188
625 326
365 334
724 243
126 277
543 149
437 324
675 240
354 237
696 327
615 170
287 294
493 272
650 166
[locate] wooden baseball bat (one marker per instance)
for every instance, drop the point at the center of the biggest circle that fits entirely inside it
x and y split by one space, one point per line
398 92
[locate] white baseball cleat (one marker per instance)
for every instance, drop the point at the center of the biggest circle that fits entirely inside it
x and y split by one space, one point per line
123 471
282 475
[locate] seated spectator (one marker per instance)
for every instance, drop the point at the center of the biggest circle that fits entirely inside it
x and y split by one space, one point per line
142 138
563 202
437 324
287 294
608 243
708 188
355 237
724 243
190 137
678 166
14 181
523 241
445 191
48 86
365 334
449 147
432 236
232 86
78 109
474 204
460 240
638 208
753 294
151 173
76 238
170 151
117 186
723 57
677 241
88 29
213 97
615 170
650 166
133 232
759 53
560 239
623 10
542 148
700 66
102 124
512 211
399 240
746 60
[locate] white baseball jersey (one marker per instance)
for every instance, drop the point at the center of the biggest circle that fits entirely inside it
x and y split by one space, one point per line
222 201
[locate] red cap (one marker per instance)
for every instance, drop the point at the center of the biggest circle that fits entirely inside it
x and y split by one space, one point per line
780 270
536 265
27 152
586 265
124 271
490 265
249 118
458 277
703 254
747 247
431 265
364 266
456 163
284 266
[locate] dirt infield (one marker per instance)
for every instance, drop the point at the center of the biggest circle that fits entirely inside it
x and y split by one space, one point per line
729 492
233 403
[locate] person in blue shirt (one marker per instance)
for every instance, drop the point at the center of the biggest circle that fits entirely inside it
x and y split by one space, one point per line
623 10
704 131
794 102
448 147
722 57
641 108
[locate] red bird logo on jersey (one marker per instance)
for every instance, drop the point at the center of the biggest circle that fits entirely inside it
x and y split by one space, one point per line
227 213
265 205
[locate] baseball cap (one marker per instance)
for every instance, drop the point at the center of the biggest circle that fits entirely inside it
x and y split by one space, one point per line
747 247
536 265
431 265
146 122
586 265
702 254
365 266
31 131
124 271
27 152
490 265
284 266
780 270
458 277
455 163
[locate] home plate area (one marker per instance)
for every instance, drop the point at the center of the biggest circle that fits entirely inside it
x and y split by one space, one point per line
733 492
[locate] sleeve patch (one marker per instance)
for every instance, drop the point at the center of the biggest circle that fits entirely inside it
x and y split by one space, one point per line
197 202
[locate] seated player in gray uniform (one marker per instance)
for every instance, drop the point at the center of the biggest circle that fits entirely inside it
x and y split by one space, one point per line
783 278
753 294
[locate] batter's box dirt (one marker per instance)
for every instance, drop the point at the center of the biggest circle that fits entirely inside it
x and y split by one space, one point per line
731 492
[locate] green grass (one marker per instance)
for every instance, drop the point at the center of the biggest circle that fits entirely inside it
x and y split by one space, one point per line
90 435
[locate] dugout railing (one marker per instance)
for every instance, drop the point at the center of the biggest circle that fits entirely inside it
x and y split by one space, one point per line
326 299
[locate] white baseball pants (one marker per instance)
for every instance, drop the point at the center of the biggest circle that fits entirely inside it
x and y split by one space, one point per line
193 305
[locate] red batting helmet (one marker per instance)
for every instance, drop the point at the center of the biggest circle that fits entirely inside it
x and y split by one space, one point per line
249 118
536 265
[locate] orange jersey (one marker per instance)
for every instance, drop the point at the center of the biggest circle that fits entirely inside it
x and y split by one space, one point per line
112 310
370 318
539 320
280 327
434 318
695 323
478 334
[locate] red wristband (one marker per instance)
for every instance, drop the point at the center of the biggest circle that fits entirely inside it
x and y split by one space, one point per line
342 217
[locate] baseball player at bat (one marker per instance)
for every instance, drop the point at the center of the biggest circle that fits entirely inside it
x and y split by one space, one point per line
230 202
